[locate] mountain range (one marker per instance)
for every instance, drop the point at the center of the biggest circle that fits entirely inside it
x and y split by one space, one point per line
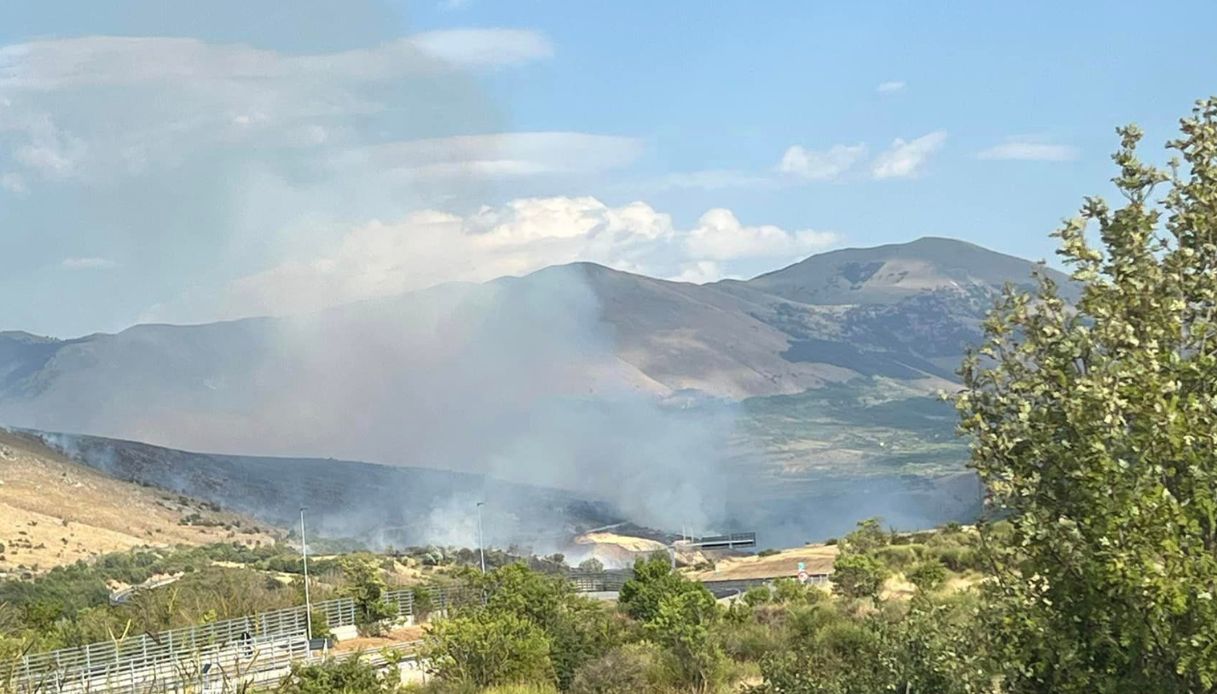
828 366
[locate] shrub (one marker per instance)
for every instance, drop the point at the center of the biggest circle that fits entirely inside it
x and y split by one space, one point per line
757 595
623 670
749 641
348 676
927 575
897 557
858 576
788 591
483 648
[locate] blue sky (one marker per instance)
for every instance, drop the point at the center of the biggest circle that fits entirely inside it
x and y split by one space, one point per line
250 158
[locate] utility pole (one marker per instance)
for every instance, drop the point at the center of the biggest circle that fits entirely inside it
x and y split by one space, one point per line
308 604
481 537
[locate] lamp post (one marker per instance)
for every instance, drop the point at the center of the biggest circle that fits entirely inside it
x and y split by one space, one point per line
308 604
481 537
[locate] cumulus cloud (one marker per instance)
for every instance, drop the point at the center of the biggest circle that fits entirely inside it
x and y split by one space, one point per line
90 263
824 165
1029 149
719 235
905 159
430 247
890 87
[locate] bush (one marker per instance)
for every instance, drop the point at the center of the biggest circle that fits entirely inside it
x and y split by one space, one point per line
788 591
757 595
348 676
927 575
897 557
858 576
749 641
623 670
683 626
483 648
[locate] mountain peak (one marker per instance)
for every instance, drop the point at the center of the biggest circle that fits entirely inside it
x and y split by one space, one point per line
888 273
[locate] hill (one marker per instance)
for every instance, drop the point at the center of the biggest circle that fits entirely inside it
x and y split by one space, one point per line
611 385
377 504
55 511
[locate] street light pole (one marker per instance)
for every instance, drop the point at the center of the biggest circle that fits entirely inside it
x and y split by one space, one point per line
308 604
481 537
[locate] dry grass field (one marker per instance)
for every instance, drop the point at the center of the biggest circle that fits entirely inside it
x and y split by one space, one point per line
54 511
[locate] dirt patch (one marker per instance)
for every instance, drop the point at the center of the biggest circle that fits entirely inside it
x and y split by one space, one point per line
375 643
816 559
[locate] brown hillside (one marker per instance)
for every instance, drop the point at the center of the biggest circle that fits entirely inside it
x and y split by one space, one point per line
54 511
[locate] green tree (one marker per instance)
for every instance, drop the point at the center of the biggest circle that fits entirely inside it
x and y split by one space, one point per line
867 537
484 648
366 587
683 626
1094 427
858 576
578 629
653 579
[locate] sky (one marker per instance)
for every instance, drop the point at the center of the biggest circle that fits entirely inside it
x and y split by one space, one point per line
185 162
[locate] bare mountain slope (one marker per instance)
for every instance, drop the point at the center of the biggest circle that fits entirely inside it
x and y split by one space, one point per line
55 511
575 377
891 273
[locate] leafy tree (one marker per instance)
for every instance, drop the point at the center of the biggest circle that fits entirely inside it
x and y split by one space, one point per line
682 625
653 579
366 587
591 565
867 537
1094 426
484 648
858 575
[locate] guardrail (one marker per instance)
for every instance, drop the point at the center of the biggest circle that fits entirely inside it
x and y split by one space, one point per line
57 670
226 646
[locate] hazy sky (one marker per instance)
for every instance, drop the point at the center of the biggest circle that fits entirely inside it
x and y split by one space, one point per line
186 161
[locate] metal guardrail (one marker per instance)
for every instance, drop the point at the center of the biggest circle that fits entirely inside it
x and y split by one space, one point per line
173 647
228 646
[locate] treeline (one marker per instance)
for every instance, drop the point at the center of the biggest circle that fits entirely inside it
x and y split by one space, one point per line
531 632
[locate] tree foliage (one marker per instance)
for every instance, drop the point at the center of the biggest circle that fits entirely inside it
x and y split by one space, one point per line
1094 427
858 576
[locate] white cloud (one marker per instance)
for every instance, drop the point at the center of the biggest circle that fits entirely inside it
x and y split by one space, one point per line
429 247
88 264
890 87
824 165
1029 149
177 97
905 159
699 272
484 47
501 155
719 235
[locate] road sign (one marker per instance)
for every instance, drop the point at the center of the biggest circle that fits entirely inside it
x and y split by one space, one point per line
802 577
